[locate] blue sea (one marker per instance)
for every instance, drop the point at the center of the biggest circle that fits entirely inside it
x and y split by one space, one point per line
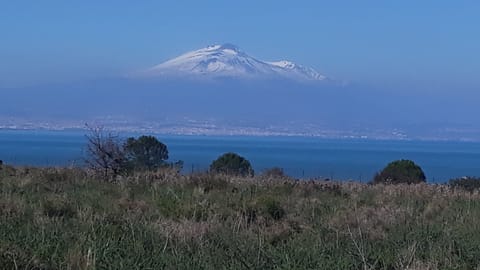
302 157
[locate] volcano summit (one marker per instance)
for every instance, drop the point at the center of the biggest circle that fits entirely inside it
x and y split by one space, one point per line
228 60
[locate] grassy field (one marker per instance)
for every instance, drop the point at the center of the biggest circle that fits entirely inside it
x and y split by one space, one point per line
65 219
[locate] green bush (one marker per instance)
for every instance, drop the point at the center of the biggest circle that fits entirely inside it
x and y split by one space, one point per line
466 183
232 164
146 152
400 172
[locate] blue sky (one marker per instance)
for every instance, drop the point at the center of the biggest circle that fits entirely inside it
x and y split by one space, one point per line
422 44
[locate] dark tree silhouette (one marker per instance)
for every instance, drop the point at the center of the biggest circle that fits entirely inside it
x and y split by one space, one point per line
400 171
233 164
146 152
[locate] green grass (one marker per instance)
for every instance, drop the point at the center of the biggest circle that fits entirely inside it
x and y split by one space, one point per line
67 219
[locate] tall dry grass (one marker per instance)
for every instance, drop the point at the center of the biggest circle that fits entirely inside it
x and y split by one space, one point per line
63 218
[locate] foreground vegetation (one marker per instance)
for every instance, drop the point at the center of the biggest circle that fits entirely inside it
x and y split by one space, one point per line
58 218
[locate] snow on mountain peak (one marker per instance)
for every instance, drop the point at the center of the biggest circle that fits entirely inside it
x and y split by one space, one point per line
228 46
284 64
228 60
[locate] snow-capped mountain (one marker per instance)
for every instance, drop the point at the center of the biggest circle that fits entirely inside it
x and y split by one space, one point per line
228 60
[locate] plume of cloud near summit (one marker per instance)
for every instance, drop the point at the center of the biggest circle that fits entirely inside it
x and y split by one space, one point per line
228 60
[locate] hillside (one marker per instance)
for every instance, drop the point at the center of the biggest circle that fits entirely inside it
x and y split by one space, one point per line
65 219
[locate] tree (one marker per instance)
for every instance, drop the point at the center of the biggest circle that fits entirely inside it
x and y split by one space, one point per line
105 154
400 171
146 152
233 164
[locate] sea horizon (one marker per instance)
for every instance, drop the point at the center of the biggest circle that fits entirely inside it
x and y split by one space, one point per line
305 157
140 131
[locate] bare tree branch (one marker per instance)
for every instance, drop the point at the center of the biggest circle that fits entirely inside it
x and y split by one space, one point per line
105 155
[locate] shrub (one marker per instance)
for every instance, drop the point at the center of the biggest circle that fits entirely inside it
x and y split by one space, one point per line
232 164
400 171
105 155
146 152
109 156
466 183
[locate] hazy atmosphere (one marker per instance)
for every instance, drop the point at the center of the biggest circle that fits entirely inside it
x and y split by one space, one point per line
391 68
420 45
239 135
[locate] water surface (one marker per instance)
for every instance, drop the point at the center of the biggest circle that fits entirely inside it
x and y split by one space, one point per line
299 156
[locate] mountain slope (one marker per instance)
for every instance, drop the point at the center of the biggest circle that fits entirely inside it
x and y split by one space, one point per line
228 60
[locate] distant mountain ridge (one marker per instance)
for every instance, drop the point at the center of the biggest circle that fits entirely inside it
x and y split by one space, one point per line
228 60
282 97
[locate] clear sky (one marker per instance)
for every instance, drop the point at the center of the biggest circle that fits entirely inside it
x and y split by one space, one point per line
411 42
